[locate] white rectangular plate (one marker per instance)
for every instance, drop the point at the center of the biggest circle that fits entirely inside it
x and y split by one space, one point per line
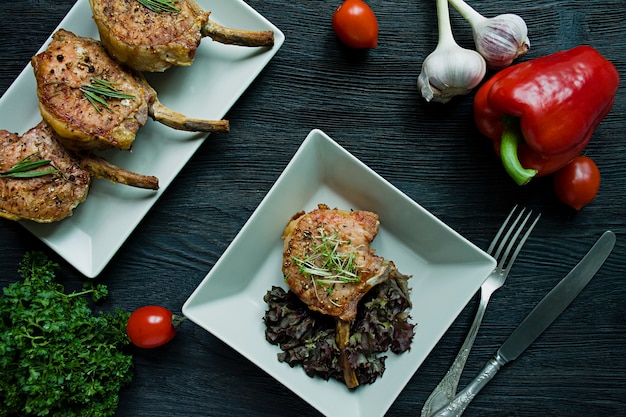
446 270
207 89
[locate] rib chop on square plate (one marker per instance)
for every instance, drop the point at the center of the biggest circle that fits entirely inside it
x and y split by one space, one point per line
329 265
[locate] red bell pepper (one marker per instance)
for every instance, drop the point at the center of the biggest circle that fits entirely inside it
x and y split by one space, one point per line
540 114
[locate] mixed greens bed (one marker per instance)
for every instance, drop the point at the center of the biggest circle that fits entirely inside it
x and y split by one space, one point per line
307 338
57 357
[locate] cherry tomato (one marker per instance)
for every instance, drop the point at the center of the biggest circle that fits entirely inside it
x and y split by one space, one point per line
577 183
152 326
355 24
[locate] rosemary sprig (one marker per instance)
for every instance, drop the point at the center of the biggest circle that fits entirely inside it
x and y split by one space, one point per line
161 6
327 263
26 168
99 91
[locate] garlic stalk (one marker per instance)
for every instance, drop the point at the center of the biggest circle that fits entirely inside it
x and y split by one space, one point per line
500 39
449 70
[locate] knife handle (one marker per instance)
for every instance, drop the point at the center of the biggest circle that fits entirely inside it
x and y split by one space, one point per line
457 406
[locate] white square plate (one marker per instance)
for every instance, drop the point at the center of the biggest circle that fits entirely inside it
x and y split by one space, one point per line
446 270
207 89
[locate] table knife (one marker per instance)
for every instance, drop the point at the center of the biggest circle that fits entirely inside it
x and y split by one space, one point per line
537 321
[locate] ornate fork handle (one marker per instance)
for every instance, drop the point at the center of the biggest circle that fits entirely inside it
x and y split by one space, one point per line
456 407
446 389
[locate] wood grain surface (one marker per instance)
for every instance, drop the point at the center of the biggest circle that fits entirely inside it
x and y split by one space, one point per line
369 103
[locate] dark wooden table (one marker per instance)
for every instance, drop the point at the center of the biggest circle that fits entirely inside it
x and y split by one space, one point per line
369 103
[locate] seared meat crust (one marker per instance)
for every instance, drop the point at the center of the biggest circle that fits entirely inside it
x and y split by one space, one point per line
42 199
148 41
53 197
70 62
355 230
329 265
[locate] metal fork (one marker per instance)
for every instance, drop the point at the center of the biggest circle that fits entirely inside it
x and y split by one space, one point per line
446 390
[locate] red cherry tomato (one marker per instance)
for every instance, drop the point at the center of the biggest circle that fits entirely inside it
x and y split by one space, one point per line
152 326
355 24
577 183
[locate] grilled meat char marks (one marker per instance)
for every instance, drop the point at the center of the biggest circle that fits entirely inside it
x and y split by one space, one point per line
150 41
353 231
69 63
46 198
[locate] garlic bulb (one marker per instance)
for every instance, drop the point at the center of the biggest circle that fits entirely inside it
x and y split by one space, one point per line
449 70
500 40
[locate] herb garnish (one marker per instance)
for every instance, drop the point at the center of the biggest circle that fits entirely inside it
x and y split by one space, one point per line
160 6
327 263
99 90
57 357
26 167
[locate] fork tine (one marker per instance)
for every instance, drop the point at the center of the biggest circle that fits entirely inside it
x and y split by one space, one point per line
521 242
504 241
502 228
518 230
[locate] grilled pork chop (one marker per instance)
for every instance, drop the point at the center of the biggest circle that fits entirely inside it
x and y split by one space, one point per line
329 265
153 41
70 67
52 197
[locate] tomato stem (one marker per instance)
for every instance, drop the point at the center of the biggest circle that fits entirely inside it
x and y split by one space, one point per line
177 321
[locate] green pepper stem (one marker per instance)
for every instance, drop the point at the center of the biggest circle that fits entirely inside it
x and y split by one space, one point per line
510 140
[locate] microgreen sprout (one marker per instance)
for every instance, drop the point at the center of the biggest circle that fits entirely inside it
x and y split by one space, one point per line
327 263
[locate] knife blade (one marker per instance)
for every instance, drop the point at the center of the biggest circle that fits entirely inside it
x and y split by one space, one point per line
536 322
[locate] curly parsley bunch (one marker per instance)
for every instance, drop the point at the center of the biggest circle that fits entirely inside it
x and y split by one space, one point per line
56 356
